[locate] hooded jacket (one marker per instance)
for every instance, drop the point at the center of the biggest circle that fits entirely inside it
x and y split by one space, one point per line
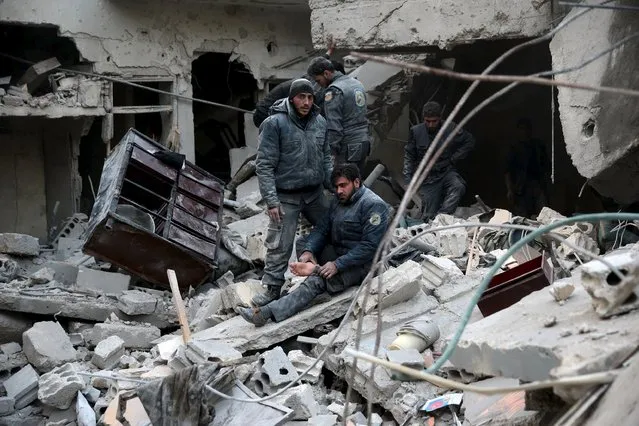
293 153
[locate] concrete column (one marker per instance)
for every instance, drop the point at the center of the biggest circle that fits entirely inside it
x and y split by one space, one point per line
185 119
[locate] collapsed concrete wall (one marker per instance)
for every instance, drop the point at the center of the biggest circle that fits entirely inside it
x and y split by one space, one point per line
164 37
404 23
601 129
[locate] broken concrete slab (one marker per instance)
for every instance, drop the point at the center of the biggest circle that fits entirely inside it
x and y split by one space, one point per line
456 286
70 305
301 362
108 352
42 276
23 386
398 285
250 226
19 244
67 247
249 191
8 269
134 335
136 302
212 351
300 399
514 342
108 283
58 388
244 336
64 273
323 420
47 346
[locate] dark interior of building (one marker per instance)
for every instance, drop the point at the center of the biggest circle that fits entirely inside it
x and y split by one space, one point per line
218 129
494 127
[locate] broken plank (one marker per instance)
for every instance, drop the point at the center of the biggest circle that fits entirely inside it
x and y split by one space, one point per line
141 109
36 74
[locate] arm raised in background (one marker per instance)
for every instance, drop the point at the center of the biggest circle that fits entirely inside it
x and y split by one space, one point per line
268 157
333 113
410 157
374 220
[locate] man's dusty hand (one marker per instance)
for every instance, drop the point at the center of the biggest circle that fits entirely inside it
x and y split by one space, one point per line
328 270
307 256
302 269
276 214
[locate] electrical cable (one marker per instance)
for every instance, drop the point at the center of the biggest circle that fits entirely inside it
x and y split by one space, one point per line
130 83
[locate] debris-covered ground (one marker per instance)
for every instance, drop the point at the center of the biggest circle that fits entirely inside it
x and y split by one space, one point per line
84 342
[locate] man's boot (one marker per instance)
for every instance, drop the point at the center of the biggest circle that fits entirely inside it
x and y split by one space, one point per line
261 299
256 316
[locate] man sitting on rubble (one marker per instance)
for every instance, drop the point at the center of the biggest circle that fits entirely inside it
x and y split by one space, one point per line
443 188
293 165
344 242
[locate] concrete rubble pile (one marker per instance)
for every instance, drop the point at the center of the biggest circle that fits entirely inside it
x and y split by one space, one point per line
81 340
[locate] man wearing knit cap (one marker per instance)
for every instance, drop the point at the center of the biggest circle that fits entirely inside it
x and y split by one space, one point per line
293 165
345 112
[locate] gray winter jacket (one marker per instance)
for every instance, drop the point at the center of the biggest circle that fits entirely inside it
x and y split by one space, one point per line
293 153
345 112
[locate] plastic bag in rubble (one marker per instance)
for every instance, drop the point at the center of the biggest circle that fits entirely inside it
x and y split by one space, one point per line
180 399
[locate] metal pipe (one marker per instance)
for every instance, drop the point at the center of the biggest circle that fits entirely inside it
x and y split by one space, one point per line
374 175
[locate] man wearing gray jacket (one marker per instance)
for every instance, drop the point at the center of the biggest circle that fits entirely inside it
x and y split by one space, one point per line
293 165
345 111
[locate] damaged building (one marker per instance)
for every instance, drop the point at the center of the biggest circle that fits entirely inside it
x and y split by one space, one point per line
132 226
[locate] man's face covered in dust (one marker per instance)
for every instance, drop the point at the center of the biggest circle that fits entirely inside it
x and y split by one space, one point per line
432 124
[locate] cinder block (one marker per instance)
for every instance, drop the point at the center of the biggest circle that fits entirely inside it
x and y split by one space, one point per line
137 336
108 352
47 346
275 370
136 302
59 387
109 283
21 385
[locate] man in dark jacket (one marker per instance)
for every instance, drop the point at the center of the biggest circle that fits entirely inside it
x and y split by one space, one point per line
344 242
345 111
443 187
293 165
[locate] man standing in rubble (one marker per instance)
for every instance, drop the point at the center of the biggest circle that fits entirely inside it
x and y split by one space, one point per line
345 111
293 165
344 243
443 188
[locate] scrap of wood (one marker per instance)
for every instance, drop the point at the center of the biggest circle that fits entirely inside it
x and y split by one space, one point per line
179 306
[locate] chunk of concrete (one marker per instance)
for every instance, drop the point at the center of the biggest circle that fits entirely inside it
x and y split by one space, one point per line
47 346
89 93
23 386
437 269
42 276
323 420
248 209
453 242
410 358
66 417
108 352
64 273
10 348
249 191
274 371
108 283
7 405
225 280
59 387
255 246
137 336
136 302
300 399
67 247
398 285
514 342
301 362
240 294
211 351
19 244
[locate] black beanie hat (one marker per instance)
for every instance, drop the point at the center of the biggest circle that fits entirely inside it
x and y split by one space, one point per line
301 85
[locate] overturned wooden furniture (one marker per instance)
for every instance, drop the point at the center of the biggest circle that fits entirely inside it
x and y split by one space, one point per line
153 213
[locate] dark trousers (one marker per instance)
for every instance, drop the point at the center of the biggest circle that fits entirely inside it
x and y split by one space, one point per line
443 195
299 299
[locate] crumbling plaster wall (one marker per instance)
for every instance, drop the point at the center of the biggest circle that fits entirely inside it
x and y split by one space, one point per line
390 24
161 37
601 130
